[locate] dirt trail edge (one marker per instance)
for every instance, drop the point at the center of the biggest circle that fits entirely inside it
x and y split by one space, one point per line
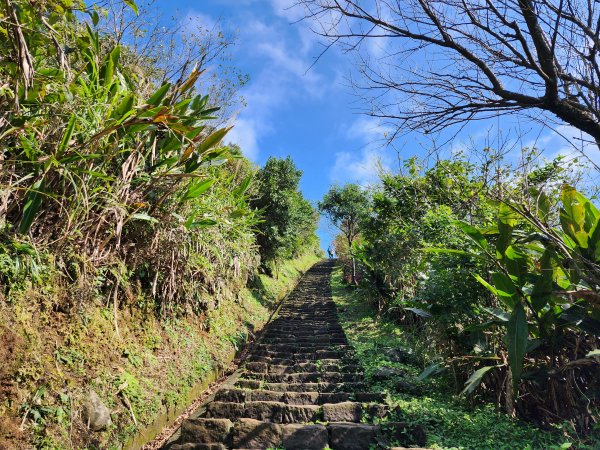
300 387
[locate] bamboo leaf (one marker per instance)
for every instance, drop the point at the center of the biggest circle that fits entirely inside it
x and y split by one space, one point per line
67 136
33 201
159 95
213 139
132 5
197 188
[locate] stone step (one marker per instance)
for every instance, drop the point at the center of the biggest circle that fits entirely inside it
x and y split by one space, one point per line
304 377
295 398
304 331
302 387
249 433
318 354
268 411
348 360
296 348
256 434
306 340
279 369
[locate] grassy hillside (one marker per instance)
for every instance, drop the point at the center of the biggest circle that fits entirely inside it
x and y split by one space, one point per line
137 364
449 421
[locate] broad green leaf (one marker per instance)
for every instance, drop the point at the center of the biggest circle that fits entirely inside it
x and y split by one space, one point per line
473 233
491 288
432 369
124 108
573 216
593 353
543 287
504 239
111 64
517 335
498 313
542 203
516 263
453 252
504 286
507 215
476 378
33 201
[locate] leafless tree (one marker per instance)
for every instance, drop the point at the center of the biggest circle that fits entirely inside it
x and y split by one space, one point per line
451 61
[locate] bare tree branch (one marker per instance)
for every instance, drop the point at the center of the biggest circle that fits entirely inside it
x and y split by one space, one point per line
447 61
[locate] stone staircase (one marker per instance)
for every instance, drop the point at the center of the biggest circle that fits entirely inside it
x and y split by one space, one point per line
300 388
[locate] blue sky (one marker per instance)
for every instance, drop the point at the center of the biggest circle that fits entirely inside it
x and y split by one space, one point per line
311 113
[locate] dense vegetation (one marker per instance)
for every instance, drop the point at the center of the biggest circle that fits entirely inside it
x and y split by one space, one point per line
382 347
128 230
498 274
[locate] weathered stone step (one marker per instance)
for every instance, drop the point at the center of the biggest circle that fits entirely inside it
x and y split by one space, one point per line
290 340
295 398
304 377
346 360
302 387
279 369
296 348
268 411
318 354
257 434
304 330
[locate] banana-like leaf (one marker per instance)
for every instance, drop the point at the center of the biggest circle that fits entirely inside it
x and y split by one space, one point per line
517 335
505 287
476 378
473 233
432 369
593 353
543 287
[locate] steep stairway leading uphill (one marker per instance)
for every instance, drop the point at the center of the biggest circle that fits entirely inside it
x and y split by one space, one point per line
299 388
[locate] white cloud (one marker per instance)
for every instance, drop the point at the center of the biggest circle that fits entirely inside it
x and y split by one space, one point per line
194 21
363 165
244 135
282 78
288 9
568 141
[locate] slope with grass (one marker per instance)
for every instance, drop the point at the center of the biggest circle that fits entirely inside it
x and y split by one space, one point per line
139 369
393 359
